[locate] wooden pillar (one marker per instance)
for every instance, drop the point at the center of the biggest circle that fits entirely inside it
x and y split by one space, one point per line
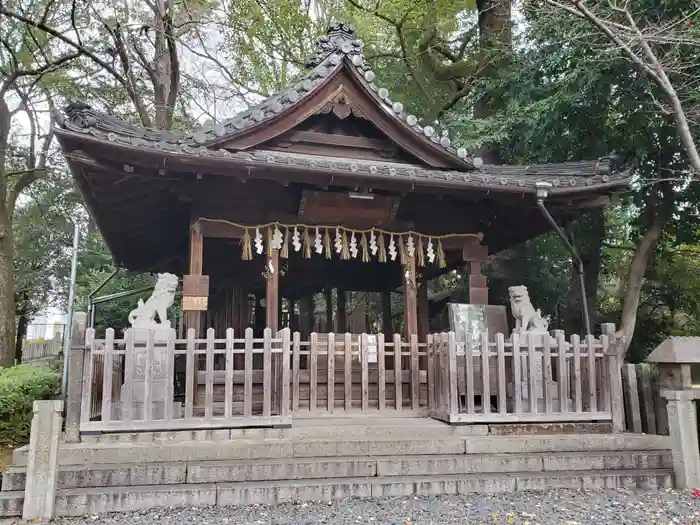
329 309
476 256
193 318
410 303
272 291
387 327
342 315
423 311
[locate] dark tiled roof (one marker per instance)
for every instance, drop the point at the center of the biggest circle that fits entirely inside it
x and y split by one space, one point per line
339 48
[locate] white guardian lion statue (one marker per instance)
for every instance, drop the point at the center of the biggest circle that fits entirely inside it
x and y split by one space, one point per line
526 317
162 298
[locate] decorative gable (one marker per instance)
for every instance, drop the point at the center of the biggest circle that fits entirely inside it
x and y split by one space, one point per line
340 86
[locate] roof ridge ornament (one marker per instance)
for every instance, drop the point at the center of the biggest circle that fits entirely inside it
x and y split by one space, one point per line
339 38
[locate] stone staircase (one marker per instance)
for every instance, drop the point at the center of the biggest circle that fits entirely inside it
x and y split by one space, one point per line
329 460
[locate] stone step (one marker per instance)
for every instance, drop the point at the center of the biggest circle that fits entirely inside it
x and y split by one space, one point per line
82 501
331 428
159 452
175 473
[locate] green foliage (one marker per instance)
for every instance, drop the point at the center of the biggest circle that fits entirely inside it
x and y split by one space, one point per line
20 386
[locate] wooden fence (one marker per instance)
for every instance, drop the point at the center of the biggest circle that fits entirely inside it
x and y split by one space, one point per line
148 381
41 350
645 409
542 379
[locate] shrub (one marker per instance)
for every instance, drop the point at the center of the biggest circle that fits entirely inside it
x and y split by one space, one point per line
20 386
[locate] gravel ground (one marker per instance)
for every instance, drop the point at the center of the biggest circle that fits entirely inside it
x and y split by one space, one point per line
618 507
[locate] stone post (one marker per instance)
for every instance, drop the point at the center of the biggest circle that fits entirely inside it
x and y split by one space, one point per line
675 356
42 464
74 385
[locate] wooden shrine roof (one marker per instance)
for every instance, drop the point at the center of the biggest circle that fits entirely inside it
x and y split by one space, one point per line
332 129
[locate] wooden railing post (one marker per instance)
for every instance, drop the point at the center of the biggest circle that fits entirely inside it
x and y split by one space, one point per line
74 384
614 377
452 360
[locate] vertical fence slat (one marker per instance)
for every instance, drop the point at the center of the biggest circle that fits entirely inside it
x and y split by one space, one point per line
285 373
87 375
148 377
169 375
501 368
190 371
296 363
578 394
267 372
415 373
430 349
517 379
127 398
107 371
248 374
531 376
659 403
617 404
452 356
365 371
313 372
398 379
548 378
209 375
592 386
634 416
228 402
331 372
381 373
469 378
485 374
347 347
648 398
562 375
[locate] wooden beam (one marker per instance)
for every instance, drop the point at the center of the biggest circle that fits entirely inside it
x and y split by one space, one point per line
410 303
272 291
196 262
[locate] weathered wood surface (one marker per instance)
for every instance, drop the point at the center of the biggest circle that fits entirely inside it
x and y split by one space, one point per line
231 382
645 408
527 388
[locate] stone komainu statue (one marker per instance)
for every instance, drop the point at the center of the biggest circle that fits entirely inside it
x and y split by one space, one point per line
526 317
162 298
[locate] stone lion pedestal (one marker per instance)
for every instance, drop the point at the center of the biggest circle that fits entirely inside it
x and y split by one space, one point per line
538 338
143 326
532 328
159 380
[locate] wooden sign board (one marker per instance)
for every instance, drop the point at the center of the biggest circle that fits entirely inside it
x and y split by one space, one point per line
195 293
194 304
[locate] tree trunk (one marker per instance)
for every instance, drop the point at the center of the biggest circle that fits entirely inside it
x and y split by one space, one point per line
23 321
496 43
635 277
7 294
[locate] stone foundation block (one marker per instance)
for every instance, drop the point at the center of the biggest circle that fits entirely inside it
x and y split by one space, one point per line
457 464
271 493
117 475
78 502
284 469
11 504
416 447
